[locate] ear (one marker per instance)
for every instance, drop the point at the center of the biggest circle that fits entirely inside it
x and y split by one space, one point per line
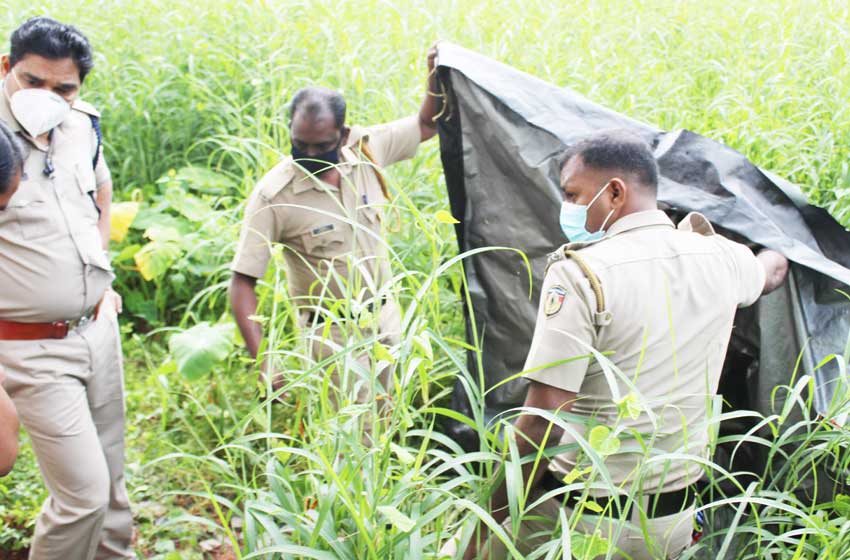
5 65
619 192
346 132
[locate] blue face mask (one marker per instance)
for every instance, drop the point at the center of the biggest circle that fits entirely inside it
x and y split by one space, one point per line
574 220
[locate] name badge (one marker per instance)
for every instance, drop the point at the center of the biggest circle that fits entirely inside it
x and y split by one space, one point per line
321 230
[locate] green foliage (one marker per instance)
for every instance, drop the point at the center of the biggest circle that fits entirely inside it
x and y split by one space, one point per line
199 349
193 97
21 495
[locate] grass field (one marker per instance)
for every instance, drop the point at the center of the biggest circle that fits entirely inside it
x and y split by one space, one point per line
193 97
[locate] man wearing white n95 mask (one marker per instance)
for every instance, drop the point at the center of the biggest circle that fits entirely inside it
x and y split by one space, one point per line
59 340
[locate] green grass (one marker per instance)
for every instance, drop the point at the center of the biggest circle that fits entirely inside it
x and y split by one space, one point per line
205 84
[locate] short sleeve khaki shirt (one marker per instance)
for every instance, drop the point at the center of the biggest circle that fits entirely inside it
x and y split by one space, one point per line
670 299
52 263
326 232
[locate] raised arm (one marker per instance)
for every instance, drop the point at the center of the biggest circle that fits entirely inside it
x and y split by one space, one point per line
427 126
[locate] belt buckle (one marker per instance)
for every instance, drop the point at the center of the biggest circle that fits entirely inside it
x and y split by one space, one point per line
75 324
61 329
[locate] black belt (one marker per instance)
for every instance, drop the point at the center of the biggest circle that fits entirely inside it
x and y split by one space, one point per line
659 505
310 316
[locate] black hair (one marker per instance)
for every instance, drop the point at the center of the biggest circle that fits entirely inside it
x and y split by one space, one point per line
53 40
11 159
617 150
315 100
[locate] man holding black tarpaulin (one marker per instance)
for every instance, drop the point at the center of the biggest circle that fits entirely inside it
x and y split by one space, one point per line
659 301
324 207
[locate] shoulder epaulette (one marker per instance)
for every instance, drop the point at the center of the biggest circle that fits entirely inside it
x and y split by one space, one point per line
601 316
87 108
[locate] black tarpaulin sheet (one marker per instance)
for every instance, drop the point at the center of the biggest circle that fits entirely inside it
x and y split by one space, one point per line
501 136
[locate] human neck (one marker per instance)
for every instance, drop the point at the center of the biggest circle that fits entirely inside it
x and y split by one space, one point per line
331 176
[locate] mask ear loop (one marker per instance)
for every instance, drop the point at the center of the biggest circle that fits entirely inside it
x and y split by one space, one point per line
611 213
608 217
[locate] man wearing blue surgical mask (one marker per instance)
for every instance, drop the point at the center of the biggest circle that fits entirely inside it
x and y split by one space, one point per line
325 206
60 347
658 300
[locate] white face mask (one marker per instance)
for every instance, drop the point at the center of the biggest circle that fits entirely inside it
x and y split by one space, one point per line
38 110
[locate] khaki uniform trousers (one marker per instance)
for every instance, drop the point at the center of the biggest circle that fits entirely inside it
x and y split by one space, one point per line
322 341
669 536
70 397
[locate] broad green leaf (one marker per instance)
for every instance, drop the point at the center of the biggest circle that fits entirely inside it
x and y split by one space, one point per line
205 180
445 217
841 505
399 520
155 258
189 205
629 407
602 441
127 253
575 474
587 547
365 319
383 354
163 234
121 216
199 349
591 505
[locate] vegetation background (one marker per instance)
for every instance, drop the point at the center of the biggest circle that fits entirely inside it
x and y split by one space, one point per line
193 96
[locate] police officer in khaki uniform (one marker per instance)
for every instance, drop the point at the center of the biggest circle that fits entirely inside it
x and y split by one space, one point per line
324 205
11 166
662 301
59 339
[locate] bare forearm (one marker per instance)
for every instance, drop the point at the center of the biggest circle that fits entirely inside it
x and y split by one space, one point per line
775 268
243 302
8 434
104 203
534 429
430 104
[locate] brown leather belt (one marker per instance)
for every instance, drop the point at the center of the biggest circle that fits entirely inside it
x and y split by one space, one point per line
10 330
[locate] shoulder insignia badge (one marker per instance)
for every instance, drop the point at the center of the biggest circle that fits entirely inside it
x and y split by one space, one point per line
554 300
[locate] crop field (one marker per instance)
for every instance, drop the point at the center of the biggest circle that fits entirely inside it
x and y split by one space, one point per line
194 97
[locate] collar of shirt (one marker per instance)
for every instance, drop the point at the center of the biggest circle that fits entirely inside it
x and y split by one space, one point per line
6 112
649 218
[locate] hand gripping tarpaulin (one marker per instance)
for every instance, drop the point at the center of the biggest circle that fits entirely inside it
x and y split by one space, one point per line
501 134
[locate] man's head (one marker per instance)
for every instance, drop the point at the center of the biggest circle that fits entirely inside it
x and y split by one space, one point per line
317 127
613 174
11 165
47 54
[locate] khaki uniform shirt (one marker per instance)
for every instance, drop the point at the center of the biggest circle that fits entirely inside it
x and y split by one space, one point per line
52 263
670 298
326 232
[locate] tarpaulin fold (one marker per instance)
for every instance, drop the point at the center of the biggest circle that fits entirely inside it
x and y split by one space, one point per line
501 137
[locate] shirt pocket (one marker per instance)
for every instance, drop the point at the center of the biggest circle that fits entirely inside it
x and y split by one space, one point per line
324 244
83 196
35 215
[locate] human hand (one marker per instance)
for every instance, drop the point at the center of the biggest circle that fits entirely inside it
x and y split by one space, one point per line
432 57
115 299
